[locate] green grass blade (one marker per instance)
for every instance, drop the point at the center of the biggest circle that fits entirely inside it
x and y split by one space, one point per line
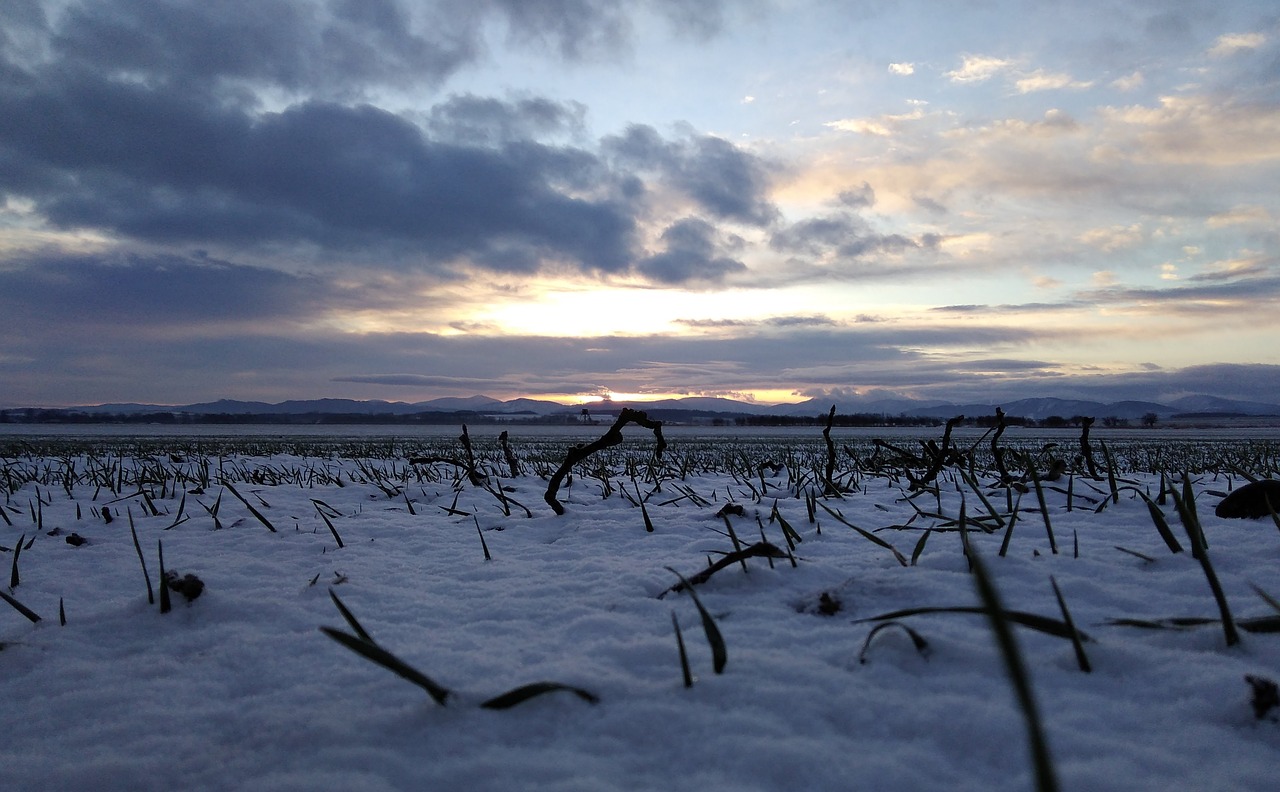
919 548
350 618
14 578
1044 624
1046 777
719 654
1162 525
151 596
376 654
1081 658
165 605
684 656
1044 509
20 608
525 692
329 523
921 645
870 537
250 507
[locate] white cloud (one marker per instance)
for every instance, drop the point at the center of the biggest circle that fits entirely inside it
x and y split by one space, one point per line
902 69
1114 238
883 126
1231 43
1130 82
1241 216
978 68
1040 80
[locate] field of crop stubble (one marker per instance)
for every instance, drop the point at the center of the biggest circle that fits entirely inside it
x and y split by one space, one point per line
960 611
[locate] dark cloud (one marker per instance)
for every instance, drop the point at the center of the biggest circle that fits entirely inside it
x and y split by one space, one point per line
135 125
139 294
1206 293
300 46
487 121
432 381
858 198
165 166
842 235
692 254
978 308
723 180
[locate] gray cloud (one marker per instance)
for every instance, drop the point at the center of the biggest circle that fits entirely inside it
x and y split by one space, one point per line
132 125
722 179
692 253
843 235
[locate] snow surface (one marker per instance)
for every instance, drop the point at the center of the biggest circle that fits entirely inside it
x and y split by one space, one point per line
239 689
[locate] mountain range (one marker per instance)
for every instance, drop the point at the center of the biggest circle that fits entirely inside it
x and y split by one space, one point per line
691 408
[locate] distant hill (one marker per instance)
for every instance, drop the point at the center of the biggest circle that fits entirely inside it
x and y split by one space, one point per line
690 409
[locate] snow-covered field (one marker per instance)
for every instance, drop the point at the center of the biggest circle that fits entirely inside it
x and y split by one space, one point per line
240 689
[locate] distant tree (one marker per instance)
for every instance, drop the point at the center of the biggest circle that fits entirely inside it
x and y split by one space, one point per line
1149 420
1054 421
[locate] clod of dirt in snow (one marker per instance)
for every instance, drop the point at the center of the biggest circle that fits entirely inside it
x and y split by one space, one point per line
188 585
732 508
1251 500
1266 695
75 540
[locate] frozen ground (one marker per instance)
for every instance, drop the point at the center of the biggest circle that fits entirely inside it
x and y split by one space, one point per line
239 688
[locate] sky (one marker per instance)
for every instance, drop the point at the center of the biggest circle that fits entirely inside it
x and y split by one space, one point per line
769 200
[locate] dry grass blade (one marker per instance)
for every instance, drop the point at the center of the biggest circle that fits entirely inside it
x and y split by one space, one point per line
1046 777
525 692
719 655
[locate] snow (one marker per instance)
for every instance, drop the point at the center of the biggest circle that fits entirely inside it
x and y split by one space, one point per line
239 689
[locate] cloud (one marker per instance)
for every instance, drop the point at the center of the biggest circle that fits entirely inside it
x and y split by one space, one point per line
486 121
1040 80
902 69
720 178
1194 129
841 236
1231 43
1129 82
979 68
432 381
886 125
692 253
298 46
